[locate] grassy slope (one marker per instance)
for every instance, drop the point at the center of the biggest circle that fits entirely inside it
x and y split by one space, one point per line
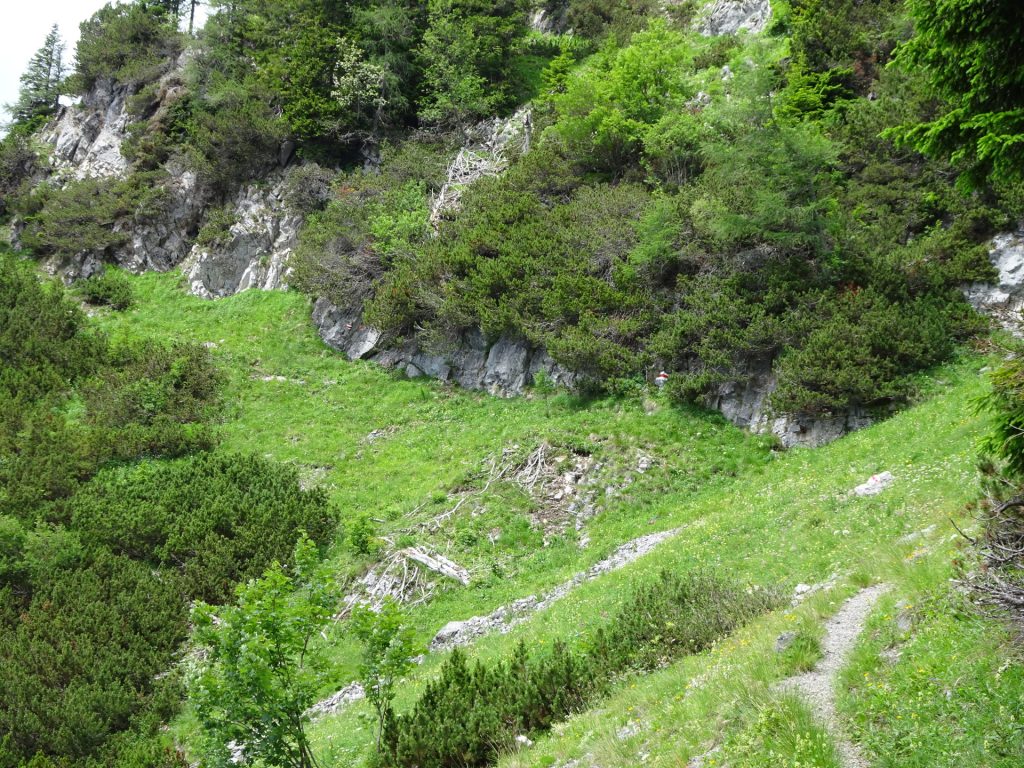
954 697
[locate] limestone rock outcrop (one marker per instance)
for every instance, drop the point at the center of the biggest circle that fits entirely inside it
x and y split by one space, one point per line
256 249
746 404
727 17
1003 299
87 137
503 368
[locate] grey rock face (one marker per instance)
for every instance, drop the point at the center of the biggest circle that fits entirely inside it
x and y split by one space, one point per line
504 368
746 404
157 243
727 17
1005 299
256 254
812 431
509 365
87 138
550 20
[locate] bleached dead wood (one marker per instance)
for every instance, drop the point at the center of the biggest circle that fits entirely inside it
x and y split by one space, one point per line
402 576
488 157
497 469
437 563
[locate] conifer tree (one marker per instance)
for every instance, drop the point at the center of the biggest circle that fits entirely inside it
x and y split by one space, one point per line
972 52
40 84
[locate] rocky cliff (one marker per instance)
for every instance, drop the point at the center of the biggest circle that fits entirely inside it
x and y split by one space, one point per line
728 17
255 252
504 367
87 139
1004 299
86 136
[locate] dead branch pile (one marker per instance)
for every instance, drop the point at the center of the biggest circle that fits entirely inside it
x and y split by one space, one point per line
1000 582
496 469
488 156
405 576
554 477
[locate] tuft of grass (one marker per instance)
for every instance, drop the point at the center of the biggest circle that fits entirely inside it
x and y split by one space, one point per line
779 732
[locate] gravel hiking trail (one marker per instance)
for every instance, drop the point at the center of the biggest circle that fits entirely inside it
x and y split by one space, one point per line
818 686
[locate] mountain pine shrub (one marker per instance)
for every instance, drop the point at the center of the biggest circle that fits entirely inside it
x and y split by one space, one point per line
472 713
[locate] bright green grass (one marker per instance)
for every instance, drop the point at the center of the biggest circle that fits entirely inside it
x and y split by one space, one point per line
933 684
436 441
792 521
762 517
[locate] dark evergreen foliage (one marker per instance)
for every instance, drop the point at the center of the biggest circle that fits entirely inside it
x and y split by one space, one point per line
472 713
98 563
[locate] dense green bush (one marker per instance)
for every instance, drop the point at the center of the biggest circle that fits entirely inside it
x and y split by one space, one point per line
466 56
90 216
216 229
471 714
82 656
758 217
675 615
153 399
866 348
234 132
45 345
215 519
611 103
597 19
86 635
308 188
371 224
110 288
131 43
94 602
18 164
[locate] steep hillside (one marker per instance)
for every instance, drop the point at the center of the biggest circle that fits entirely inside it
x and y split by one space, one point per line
407 453
699 188
571 384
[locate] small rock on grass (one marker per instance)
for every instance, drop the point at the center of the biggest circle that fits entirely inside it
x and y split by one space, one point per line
875 484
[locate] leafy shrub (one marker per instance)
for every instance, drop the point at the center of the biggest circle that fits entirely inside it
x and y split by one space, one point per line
153 399
716 237
216 519
234 132
308 188
45 345
18 164
678 614
102 597
597 19
262 667
369 226
111 288
863 352
609 106
216 229
467 54
361 535
69 402
83 655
